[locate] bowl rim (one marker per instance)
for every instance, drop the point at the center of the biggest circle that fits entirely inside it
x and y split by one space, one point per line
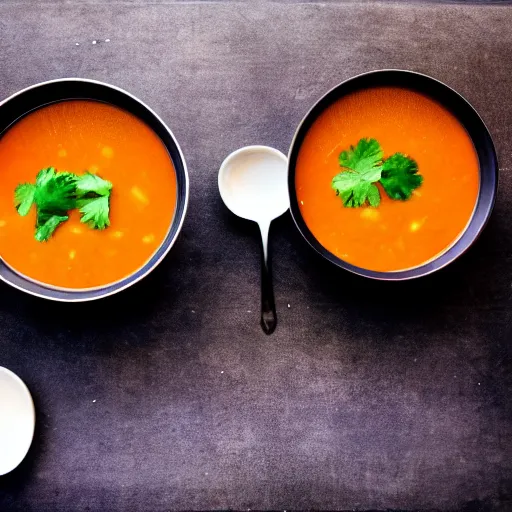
449 254
94 293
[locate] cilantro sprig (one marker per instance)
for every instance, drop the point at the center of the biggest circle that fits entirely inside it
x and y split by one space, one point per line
45 229
24 197
363 166
93 201
400 176
95 212
55 193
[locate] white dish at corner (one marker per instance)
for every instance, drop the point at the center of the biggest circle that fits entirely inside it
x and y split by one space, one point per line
17 420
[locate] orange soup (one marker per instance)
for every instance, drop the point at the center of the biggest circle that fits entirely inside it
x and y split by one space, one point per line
396 235
76 136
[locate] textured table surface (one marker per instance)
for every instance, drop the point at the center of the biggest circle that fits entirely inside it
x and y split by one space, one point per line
169 396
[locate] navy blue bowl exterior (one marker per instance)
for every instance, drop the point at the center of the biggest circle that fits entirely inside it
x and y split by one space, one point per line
473 124
50 92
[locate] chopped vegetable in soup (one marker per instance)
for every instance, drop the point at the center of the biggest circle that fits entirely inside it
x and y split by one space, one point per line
100 155
408 184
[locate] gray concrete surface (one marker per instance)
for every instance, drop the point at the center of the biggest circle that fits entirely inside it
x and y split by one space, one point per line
169 396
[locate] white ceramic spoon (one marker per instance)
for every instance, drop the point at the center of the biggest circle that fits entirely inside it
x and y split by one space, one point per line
253 185
17 420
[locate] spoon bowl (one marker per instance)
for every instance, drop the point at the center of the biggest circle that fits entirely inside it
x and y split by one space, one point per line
253 185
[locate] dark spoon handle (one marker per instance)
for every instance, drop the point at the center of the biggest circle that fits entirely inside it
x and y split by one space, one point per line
268 306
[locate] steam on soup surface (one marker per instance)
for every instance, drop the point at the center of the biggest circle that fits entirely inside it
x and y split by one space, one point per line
76 136
397 234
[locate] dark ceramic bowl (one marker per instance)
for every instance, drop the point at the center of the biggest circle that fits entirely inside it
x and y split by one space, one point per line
36 96
473 124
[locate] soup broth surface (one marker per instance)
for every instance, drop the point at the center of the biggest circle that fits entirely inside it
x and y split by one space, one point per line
76 136
397 234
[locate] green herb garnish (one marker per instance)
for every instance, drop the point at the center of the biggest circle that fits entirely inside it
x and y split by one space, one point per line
92 184
24 198
400 176
95 212
363 166
55 193
45 230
